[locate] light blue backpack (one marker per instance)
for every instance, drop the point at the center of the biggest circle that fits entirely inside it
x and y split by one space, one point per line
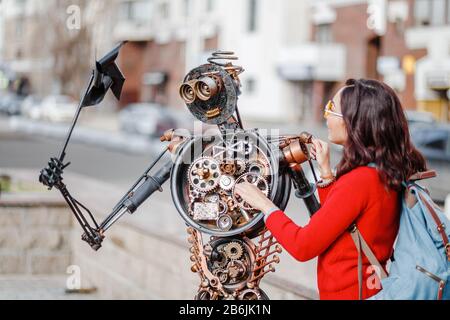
420 269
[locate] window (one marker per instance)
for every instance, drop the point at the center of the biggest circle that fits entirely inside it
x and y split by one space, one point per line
323 33
252 10
137 11
187 8
164 10
125 12
20 22
448 11
210 5
422 12
431 12
438 12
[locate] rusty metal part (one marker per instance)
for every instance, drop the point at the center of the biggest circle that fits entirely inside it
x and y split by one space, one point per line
167 135
223 208
267 246
220 261
295 152
241 166
228 66
213 197
207 87
201 266
226 182
236 270
250 294
187 91
174 138
225 222
228 167
233 250
212 113
204 174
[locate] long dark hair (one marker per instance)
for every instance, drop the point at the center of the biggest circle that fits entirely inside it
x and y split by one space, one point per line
377 132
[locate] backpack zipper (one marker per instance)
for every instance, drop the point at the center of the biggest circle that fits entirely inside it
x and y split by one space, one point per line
435 278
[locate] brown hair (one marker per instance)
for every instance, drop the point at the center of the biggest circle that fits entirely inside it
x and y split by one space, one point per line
377 132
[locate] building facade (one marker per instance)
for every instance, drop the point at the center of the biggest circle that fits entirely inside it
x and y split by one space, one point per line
53 52
168 38
401 42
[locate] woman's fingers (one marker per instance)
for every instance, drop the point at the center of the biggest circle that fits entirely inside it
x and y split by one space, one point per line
253 196
317 145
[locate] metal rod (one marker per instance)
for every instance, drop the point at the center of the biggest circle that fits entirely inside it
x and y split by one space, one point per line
75 119
113 219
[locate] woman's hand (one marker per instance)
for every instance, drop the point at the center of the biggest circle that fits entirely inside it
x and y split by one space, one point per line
254 197
321 152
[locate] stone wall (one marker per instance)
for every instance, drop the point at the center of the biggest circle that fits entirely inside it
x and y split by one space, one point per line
34 236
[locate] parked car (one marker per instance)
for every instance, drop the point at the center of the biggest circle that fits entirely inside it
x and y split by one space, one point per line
147 119
10 104
432 140
32 107
419 117
58 108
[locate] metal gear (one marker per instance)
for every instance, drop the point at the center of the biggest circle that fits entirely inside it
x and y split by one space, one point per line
250 294
259 167
225 222
228 167
241 166
204 174
255 179
226 182
214 197
233 250
223 207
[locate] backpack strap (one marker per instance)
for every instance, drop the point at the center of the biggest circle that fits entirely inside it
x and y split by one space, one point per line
440 225
361 245
422 175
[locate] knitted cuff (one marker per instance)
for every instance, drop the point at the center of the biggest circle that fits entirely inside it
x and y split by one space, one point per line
269 212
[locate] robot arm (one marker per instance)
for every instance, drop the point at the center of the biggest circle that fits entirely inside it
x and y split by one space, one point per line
143 188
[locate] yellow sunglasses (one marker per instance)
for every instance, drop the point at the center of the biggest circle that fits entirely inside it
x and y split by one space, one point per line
329 107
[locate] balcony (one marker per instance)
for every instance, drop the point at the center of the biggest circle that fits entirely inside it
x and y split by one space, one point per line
312 61
133 31
136 18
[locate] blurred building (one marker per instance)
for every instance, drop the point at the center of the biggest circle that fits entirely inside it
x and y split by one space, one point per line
430 31
165 39
1 31
44 45
3 75
22 54
402 42
168 38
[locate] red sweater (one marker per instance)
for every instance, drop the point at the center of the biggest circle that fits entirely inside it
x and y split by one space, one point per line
356 196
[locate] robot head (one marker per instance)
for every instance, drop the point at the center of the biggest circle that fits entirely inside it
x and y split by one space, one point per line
210 91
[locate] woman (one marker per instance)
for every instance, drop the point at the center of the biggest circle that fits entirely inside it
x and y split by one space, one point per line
367 119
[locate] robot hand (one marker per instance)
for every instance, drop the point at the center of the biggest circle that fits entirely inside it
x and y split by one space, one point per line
52 174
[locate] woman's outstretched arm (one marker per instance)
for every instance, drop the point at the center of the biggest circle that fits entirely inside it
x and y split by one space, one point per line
346 200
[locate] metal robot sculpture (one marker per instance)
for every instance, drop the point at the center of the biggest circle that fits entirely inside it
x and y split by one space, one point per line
203 172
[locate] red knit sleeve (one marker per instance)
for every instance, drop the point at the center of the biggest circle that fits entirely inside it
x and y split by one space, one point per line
323 192
345 201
